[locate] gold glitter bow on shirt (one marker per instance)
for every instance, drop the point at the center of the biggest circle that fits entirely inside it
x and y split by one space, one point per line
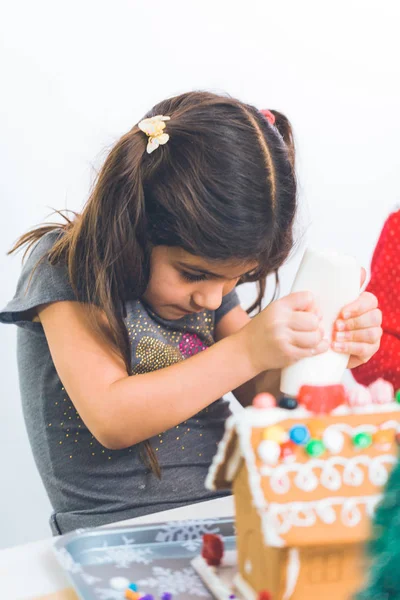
154 129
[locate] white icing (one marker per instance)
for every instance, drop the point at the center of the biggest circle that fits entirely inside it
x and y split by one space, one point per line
292 573
248 567
305 514
210 576
245 589
229 558
330 476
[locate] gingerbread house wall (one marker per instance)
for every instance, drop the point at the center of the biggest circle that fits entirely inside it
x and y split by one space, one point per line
330 572
267 564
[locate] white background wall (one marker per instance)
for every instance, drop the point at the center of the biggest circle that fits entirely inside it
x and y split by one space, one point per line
76 75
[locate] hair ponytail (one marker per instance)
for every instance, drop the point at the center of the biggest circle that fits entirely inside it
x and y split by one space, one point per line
284 127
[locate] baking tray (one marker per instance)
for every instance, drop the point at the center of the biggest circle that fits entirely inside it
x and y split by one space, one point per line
156 557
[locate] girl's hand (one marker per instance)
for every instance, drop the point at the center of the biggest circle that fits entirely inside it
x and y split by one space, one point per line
358 330
284 332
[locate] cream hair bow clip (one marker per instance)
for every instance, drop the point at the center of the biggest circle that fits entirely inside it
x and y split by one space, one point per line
154 129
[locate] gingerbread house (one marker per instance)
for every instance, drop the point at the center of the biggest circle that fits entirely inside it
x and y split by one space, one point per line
305 486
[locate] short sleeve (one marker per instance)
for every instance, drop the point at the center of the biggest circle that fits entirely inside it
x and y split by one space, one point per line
228 302
39 283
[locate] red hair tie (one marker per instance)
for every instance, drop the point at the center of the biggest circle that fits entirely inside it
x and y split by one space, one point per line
268 115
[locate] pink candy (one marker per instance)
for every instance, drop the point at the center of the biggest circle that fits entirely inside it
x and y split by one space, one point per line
379 392
360 395
382 391
264 400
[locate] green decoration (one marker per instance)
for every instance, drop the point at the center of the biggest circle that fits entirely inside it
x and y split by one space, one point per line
397 396
315 448
362 440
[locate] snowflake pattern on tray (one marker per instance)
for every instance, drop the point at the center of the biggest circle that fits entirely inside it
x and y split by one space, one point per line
189 533
156 557
123 556
185 581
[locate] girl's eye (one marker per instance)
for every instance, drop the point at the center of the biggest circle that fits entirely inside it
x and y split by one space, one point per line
193 277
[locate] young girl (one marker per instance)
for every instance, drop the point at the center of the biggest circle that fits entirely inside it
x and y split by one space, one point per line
130 328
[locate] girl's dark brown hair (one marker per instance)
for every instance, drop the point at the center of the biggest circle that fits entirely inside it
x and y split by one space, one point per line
223 187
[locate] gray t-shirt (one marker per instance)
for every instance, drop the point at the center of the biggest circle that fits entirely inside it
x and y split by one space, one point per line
89 485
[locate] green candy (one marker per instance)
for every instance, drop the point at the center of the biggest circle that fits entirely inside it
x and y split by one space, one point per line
398 396
315 448
362 440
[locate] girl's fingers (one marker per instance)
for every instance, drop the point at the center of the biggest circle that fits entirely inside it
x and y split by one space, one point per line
364 303
371 335
307 339
359 349
299 352
373 318
304 321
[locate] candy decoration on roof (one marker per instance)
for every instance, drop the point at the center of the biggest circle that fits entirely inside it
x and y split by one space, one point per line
269 451
397 396
315 448
333 440
264 400
322 399
288 402
166 596
213 549
362 440
383 438
359 395
381 391
299 434
276 433
287 451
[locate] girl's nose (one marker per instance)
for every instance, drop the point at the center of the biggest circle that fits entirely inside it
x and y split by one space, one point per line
208 298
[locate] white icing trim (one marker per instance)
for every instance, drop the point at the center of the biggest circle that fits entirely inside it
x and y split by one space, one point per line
367 428
282 517
219 457
244 588
211 578
232 464
330 476
292 573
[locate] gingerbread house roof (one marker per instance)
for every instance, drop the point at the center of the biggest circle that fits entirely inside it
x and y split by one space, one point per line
304 499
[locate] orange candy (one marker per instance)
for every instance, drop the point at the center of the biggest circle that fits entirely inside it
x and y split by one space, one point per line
131 595
316 428
383 437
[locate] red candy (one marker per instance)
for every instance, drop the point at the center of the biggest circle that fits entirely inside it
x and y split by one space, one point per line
287 450
213 549
321 399
264 595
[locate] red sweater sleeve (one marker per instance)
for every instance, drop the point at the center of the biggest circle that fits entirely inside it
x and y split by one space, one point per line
385 284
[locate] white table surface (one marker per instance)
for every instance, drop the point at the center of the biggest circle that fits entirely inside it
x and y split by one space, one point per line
32 570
